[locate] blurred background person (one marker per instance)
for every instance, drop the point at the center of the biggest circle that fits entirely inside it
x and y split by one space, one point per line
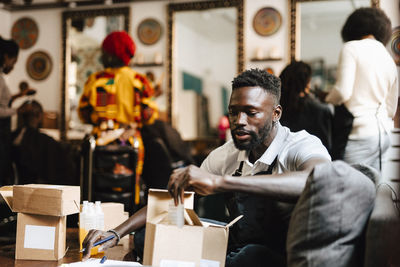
8 57
118 98
303 111
366 90
118 102
39 158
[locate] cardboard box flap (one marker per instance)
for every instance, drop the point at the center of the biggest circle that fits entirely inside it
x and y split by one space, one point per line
234 221
217 224
191 218
7 193
162 217
158 202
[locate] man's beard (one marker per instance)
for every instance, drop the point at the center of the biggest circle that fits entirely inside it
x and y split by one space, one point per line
255 139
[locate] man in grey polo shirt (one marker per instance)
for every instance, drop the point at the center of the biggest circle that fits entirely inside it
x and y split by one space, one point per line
272 162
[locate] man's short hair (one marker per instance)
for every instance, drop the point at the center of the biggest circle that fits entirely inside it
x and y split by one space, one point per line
365 21
260 78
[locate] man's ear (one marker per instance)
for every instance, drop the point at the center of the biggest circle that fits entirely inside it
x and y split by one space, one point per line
277 113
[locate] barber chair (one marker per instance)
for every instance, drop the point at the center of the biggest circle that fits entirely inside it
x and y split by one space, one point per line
100 178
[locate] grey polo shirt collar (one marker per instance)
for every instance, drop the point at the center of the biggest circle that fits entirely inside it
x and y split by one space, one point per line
269 155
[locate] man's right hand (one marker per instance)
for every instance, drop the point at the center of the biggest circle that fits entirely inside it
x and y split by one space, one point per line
94 236
194 179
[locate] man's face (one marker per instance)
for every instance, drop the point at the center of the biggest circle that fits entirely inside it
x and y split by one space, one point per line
9 63
251 114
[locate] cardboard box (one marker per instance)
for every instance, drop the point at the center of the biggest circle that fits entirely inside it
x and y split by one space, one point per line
114 214
195 244
41 236
55 200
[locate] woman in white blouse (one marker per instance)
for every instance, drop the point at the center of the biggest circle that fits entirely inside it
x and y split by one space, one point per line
367 85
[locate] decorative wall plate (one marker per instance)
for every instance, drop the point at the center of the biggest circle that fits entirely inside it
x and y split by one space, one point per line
149 31
25 32
267 21
395 44
39 65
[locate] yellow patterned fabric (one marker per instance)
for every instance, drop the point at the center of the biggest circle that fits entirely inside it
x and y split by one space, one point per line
119 94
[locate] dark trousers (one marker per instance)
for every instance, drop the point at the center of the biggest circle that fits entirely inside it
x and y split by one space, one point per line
254 255
138 241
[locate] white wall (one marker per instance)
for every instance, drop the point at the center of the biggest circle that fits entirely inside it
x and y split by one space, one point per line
392 9
49 40
5 27
278 40
156 10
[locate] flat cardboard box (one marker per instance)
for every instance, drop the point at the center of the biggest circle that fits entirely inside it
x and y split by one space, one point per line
40 237
54 200
195 244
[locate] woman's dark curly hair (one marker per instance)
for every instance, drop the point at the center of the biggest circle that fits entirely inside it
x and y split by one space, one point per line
365 21
294 78
260 78
9 48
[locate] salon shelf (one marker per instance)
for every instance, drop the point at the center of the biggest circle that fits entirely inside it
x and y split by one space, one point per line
264 59
150 64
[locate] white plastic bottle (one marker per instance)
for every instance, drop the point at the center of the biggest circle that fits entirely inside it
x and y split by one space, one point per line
175 214
90 223
99 216
83 213
90 218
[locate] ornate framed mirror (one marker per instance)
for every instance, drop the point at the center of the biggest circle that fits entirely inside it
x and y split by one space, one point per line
82 34
205 52
319 22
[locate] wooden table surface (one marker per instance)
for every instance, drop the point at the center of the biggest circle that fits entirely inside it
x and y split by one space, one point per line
7 253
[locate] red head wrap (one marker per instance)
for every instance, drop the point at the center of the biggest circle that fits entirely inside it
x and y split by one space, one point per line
121 45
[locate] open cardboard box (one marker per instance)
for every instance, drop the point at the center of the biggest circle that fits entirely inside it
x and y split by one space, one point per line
41 223
195 244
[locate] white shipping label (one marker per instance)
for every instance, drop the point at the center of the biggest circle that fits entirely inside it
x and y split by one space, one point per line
208 263
171 263
39 237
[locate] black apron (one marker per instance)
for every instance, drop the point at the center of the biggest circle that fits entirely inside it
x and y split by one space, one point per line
264 221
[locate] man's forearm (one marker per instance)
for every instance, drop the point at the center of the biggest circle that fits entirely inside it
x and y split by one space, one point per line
136 221
283 187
